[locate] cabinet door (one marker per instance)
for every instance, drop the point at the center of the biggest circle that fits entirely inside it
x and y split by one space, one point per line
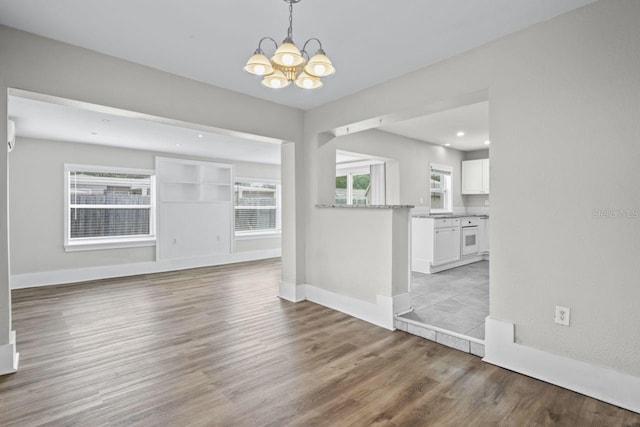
472 176
485 176
446 245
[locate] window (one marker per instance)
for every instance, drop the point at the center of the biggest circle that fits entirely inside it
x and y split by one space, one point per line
108 207
353 186
257 207
440 188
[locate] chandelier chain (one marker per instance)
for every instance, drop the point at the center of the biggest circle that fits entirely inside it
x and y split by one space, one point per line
290 32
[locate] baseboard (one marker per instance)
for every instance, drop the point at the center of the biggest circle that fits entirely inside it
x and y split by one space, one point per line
292 292
57 277
379 313
599 382
8 356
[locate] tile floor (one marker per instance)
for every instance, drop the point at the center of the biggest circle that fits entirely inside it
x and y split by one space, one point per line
456 300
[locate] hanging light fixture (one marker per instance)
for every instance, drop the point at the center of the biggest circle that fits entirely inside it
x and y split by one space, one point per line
288 64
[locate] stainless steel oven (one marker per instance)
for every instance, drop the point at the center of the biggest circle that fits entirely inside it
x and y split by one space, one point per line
469 235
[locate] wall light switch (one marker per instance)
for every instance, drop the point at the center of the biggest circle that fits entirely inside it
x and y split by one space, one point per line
563 314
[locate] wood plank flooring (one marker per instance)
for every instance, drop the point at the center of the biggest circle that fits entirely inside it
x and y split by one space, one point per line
215 346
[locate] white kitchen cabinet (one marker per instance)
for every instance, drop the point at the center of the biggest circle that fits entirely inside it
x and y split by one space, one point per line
434 242
446 245
475 176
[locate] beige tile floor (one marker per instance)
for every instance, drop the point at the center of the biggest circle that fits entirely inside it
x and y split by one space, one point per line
456 300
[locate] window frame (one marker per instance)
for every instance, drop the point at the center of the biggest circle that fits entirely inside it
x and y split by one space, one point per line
447 192
265 233
348 171
107 242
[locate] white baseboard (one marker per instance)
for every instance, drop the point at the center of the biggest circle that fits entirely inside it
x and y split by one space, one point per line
57 277
599 382
379 313
8 356
292 292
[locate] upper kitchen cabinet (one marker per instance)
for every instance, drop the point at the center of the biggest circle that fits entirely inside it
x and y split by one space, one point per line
475 176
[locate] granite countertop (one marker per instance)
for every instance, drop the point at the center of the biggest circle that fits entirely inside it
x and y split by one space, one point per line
452 216
366 206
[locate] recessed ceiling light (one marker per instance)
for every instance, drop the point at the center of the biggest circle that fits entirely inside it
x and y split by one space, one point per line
460 133
447 145
200 135
177 145
487 142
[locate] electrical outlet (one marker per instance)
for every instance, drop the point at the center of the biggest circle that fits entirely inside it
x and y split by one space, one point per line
563 314
486 202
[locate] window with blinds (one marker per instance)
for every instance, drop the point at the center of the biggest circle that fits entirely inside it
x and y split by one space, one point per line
257 207
108 205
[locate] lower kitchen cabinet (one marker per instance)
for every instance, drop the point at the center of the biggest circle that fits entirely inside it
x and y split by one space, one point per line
436 243
446 245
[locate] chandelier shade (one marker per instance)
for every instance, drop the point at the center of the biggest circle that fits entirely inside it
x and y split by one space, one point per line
319 65
290 64
275 80
259 65
287 55
307 81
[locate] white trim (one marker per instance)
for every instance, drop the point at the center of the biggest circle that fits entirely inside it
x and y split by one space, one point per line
269 234
292 292
9 358
600 382
57 277
379 313
109 243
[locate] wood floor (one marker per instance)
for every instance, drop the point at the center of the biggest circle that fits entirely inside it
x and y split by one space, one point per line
215 346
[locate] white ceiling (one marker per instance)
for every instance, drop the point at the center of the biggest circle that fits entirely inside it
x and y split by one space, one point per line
442 127
48 121
369 41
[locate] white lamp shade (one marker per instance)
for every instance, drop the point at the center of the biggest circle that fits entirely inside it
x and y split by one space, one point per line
307 81
287 55
277 80
259 65
319 65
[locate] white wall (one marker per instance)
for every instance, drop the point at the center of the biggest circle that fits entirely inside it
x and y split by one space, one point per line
36 200
564 108
413 158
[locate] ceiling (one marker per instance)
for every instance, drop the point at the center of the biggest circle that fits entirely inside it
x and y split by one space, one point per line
442 128
53 122
369 41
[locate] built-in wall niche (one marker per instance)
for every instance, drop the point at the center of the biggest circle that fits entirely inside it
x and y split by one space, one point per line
195 208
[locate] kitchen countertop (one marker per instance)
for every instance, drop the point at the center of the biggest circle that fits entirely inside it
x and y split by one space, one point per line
366 206
452 216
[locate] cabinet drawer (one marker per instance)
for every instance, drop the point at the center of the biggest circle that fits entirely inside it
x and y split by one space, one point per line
469 221
446 222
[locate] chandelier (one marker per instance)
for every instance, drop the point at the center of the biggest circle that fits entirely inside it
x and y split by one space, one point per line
288 64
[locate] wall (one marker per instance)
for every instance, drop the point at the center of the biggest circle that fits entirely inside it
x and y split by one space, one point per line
42 65
564 99
413 158
475 200
36 200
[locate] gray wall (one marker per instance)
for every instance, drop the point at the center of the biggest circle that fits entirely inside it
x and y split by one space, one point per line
413 158
563 108
36 200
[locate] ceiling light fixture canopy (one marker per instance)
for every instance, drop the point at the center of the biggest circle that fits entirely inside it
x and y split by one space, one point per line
288 64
